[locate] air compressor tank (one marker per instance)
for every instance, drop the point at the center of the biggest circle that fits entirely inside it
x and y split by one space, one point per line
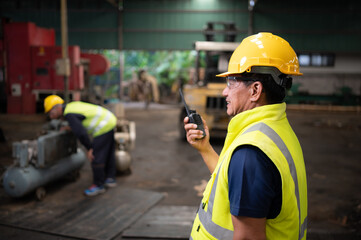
19 181
41 161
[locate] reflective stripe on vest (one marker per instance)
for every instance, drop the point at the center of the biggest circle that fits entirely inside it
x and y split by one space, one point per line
223 233
103 122
93 126
206 217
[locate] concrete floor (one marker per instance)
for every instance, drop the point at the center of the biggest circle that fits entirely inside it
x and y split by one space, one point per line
163 163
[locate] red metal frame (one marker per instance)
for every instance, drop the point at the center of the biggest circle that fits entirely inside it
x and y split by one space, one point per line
30 65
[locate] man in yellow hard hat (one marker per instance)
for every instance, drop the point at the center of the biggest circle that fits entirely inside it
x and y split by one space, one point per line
258 186
88 119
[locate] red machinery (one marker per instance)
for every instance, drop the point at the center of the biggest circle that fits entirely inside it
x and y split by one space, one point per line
28 62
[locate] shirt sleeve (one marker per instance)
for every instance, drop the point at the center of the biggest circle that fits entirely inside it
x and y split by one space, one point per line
254 184
78 129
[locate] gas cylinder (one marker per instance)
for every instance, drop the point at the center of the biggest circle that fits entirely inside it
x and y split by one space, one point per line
123 160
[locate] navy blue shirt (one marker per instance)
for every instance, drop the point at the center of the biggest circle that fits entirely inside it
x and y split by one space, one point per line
254 182
75 123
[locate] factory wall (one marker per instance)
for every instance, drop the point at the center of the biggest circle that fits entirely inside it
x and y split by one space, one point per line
175 24
92 24
344 77
308 25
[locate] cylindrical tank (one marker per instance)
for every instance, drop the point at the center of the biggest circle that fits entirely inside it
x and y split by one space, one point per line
123 160
20 181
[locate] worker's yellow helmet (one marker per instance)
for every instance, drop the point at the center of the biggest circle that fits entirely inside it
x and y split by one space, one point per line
263 49
51 101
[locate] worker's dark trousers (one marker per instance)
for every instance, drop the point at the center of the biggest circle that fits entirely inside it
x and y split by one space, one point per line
103 164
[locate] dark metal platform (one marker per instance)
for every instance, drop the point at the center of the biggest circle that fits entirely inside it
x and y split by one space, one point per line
168 222
99 218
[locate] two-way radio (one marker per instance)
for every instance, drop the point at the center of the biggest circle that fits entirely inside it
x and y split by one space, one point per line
193 116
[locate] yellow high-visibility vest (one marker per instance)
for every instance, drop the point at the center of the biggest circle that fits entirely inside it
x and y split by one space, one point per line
98 120
267 128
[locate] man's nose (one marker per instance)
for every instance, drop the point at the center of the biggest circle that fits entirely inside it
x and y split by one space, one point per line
225 92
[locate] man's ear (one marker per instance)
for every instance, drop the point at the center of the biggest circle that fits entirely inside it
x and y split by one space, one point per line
256 91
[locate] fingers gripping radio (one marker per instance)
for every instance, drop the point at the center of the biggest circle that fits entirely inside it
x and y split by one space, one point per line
193 116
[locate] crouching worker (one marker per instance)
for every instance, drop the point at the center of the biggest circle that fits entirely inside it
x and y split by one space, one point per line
85 118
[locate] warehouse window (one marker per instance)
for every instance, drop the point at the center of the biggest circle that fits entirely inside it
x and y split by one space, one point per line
316 59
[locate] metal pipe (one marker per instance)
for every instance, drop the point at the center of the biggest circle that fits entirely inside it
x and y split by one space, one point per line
120 47
64 48
251 5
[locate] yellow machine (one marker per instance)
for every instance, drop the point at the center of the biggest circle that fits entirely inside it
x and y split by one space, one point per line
204 93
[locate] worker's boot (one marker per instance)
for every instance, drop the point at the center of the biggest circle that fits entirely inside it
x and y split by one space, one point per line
110 182
94 190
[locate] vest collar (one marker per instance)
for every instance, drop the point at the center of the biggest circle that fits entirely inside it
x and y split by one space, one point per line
241 121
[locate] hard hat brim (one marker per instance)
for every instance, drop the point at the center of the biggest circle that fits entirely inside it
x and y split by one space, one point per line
225 74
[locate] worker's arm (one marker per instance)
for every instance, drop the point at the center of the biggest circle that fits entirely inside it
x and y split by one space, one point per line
249 228
194 138
78 129
255 192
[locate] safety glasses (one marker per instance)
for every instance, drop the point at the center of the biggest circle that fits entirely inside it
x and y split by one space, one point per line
235 81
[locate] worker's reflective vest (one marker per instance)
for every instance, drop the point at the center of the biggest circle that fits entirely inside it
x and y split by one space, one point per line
267 128
98 120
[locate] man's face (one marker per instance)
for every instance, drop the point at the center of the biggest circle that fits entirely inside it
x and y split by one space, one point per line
55 112
237 96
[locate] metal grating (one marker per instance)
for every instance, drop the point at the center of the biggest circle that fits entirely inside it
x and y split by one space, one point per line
166 222
100 218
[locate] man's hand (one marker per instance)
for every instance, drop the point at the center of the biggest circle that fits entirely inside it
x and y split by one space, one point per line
90 155
194 136
65 128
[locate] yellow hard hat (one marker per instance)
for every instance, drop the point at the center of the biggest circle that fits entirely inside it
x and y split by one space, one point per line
263 49
51 101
